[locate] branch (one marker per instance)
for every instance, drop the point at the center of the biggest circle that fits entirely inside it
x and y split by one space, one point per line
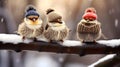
57 48
82 48
111 60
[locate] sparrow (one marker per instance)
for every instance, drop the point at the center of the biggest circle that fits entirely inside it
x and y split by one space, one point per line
56 29
89 28
32 25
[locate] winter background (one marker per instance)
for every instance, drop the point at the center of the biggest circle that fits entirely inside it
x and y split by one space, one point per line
12 13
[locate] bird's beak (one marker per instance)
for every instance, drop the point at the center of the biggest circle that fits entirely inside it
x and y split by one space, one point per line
87 20
34 20
60 22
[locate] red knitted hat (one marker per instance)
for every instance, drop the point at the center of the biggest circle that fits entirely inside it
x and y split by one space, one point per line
90 13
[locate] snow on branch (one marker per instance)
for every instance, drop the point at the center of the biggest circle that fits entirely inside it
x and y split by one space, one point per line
14 42
106 58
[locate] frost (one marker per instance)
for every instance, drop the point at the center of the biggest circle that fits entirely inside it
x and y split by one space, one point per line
102 60
112 43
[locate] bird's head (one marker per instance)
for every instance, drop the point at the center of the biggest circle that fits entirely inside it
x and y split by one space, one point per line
90 14
53 17
31 15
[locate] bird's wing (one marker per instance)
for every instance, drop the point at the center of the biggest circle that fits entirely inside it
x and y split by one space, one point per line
103 36
80 27
22 29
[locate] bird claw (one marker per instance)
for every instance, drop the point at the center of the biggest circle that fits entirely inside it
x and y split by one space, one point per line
93 41
35 39
23 38
62 41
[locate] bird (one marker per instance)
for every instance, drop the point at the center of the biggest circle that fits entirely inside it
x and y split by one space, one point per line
32 25
89 28
55 29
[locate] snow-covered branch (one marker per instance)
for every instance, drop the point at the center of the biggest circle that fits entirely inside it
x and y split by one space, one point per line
111 60
103 60
14 42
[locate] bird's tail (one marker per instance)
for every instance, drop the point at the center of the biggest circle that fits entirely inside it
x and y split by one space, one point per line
103 36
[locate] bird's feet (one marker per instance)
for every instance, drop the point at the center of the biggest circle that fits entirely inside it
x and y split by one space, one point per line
35 39
23 38
62 41
90 42
83 41
94 41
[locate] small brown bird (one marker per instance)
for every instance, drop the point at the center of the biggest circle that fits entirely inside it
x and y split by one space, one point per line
89 29
56 29
32 26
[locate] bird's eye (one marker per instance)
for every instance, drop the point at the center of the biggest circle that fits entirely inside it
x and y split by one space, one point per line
91 19
35 18
89 10
30 18
60 22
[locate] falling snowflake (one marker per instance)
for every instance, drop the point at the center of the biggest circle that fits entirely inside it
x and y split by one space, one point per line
111 11
2 19
116 22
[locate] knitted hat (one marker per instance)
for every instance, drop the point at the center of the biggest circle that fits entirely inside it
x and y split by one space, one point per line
52 16
31 11
90 13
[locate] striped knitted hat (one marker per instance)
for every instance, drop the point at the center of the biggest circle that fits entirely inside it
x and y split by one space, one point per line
31 11
52 16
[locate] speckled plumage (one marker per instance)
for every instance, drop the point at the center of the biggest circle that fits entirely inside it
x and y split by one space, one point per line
88 31
56 33
23 30
32 26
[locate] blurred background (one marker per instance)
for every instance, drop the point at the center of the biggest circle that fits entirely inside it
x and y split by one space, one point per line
12 14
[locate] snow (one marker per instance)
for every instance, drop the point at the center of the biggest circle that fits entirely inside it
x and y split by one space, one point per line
2 19
116 22
111 43
65 43
71 43
13 38
42 39
102 60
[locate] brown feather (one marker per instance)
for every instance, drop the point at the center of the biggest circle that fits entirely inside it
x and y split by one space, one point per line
51 34
88 32
23 30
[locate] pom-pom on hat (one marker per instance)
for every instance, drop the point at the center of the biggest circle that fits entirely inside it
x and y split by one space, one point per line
90 13
52 16
91 9
31 11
